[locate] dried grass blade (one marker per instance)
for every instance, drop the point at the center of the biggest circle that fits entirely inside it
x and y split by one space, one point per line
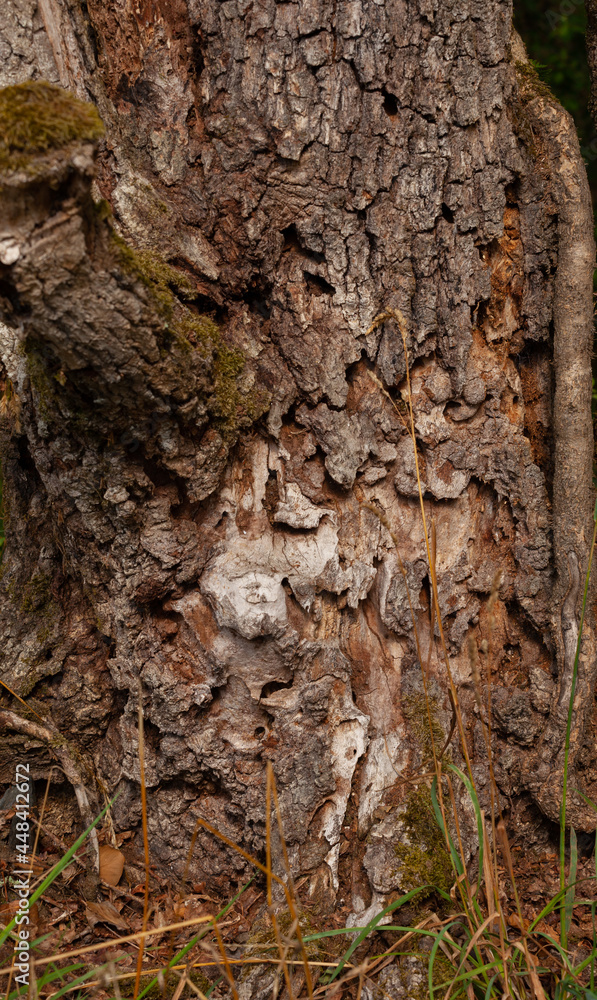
283 952
145 839
293 912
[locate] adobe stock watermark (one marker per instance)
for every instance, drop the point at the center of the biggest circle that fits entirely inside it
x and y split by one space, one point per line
565 10
554 18
21 881
589 153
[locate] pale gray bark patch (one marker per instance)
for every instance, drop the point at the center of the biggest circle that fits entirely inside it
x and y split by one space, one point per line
25 48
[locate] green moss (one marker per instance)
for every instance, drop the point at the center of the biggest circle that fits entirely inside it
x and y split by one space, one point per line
530 83
37 117
227 400
262 940
530 86
154 272
186 330
36 594
41 382
425 859
43 634
56 397
191 342
443 970
415 709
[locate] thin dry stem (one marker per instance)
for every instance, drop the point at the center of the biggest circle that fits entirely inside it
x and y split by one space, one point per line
226 963
293 913
268 855
145 841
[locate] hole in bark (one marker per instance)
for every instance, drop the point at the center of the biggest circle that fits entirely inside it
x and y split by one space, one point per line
9 293
151 734
268 689
257 299
48 654
25 460
139 92
292 241
259 732
359 367
272 496
586 844
202 303
425 593
196 54
291 238
318 285
158 475
447 213
191 119
390 103
512 196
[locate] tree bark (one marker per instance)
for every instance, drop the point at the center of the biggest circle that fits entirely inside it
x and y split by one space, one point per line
208 477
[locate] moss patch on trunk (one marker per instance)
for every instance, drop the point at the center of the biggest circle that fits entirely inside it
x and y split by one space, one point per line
37 117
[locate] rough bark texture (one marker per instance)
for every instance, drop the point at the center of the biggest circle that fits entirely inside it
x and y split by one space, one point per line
193 439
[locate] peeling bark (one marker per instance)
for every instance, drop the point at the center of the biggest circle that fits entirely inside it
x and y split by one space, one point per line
193 441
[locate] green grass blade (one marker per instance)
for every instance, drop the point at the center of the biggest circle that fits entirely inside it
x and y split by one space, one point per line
465 977
48 977
187 947
55 871
490 987
209 991
583 965
373 923
81 979
456 862
548 908
569 898
435 947
552 943
352 930
475 801
589 801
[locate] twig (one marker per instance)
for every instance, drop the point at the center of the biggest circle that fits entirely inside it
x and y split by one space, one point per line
59 747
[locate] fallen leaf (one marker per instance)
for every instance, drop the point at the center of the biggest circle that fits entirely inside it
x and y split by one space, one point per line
8 911
111 864
105 913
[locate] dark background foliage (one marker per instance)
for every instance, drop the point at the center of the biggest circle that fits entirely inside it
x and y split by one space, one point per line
554 34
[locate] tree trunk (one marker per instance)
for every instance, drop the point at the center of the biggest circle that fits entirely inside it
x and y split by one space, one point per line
209 484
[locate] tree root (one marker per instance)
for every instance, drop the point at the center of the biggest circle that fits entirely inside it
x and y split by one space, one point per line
58 746
558 149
